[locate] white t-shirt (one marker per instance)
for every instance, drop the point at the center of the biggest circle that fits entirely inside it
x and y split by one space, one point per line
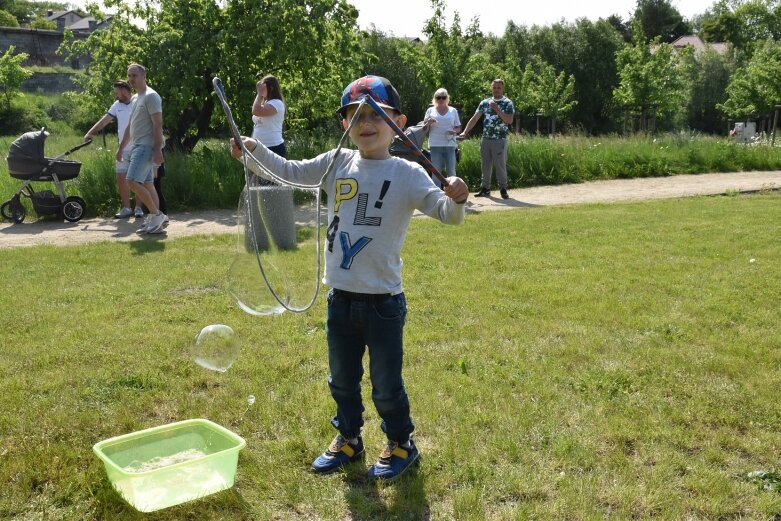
364 239
121 112
268 130
438 131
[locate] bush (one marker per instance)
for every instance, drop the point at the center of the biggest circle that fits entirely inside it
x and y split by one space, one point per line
42 23
7 19
21 118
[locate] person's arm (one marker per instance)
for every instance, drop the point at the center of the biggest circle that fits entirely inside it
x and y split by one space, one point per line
307 171
157 134
123 143
470 124
504 116
261 107
456 123
97 127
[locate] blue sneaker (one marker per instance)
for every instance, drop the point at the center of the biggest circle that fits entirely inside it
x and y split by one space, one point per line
339 453
394 460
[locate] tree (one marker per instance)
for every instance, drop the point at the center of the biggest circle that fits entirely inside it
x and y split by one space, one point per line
451 58
547 93
744 24
660 18
43 23
12 74
585 50
7 19
403 62
707 74
28 10
650 83
755 88
185 43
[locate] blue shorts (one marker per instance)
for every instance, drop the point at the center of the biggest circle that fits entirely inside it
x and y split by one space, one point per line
140 168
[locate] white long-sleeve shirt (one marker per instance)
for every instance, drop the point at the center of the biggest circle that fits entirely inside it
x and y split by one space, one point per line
370 205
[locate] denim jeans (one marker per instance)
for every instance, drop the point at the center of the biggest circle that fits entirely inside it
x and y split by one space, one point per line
355 322
444 159
140 165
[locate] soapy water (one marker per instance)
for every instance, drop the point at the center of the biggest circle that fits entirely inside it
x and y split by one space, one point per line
215 348
159 462
168 487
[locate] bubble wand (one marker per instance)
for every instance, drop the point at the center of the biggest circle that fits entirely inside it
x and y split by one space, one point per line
421 158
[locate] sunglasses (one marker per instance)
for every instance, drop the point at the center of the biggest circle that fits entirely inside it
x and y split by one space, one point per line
440 97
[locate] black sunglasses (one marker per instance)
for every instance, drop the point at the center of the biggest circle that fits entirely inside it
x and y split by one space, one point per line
440 97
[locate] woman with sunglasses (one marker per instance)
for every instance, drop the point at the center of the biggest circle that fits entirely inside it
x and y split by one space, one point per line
443 125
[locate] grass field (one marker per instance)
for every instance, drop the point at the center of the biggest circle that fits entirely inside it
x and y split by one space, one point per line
589 362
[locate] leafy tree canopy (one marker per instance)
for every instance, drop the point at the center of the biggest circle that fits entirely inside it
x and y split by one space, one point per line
28 10
659 18
648 80
7 19
185 43
756 88
12 74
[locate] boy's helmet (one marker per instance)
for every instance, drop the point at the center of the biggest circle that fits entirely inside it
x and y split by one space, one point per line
379 88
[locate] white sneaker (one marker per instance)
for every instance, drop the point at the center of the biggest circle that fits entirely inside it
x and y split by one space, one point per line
124 213
139 212
145 227
156 223
165 221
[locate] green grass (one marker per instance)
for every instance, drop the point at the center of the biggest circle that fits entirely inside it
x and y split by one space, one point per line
534 161
588 362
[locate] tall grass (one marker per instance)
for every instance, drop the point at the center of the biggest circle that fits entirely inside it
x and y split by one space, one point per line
534 161
209 178
586 362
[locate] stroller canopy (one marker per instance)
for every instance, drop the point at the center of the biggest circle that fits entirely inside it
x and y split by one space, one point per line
415 133
29 145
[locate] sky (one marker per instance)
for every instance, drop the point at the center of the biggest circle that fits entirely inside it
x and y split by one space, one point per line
407 17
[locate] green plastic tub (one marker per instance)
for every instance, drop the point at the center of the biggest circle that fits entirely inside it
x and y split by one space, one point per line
171 464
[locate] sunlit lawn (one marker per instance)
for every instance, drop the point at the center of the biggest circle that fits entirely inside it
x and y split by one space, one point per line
606 361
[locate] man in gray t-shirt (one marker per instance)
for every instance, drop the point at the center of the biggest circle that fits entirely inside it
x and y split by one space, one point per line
145 130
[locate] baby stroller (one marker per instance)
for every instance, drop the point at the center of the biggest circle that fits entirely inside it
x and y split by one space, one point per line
26 161
416 134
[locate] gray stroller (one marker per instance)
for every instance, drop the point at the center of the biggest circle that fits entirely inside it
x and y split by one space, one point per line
26 161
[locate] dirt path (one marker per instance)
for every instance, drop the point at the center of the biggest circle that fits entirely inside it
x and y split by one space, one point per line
46 231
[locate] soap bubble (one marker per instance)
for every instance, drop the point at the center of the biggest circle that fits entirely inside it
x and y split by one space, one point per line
215 348
276 266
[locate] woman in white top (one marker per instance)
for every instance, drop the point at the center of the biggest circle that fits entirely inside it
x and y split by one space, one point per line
443 125
268 115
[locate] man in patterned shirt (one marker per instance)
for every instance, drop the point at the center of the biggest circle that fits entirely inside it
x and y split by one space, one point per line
499 112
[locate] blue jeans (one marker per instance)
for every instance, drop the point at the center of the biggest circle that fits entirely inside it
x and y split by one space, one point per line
355 321
444 159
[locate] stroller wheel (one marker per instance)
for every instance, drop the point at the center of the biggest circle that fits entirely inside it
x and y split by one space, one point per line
5 210
13 210
73 209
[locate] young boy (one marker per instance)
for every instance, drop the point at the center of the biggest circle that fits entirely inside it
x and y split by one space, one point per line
371 199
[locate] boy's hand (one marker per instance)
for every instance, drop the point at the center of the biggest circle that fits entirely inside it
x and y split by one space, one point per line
457 190
249 144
